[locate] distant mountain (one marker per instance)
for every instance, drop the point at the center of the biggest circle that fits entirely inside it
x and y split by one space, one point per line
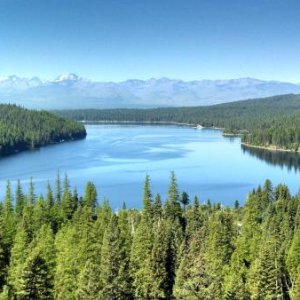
72 91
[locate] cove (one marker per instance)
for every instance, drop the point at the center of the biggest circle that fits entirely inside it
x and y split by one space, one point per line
116 158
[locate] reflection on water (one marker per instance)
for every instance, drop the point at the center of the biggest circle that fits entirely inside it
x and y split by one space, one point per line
290 160
118 157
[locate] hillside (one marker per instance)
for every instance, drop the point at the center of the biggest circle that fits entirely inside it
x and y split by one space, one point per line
272 121
66 246
71 91
22 129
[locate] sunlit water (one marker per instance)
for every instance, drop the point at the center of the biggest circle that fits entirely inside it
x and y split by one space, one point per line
118 157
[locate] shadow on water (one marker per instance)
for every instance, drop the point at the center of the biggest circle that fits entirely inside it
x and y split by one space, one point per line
283 159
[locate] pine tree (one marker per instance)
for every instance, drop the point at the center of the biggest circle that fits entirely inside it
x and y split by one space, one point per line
57 188
89 281
265 278
3 257
90 195
110 261
67 269
43 243
174 238
147 199
67 204
31 196
49 198
192 280
236 273
293 259
157 208
172 205
185 199
35 283
8 207
8 222
18 256
139 259
20 200
158 277
125 242
218 250
39 215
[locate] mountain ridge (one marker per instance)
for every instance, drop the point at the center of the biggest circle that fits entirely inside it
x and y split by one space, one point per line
73 91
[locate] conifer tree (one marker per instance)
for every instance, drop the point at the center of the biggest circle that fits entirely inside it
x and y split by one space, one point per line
57 188
67 204
67 269
8 222
110 261
192 280
35 282
158 277
218 250
147 199
90 195
18 256
20 200
265 278
89 281
185 199
3 257
49 198
157 207
39 215
31 195
293 260
139 259
172 205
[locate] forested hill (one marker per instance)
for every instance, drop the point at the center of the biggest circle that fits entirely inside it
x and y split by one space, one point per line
22 129
68 247
273 121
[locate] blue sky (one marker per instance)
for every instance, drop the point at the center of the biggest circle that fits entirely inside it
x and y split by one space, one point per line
121 39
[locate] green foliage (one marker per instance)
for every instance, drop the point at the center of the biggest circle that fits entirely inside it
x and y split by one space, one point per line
66 248
22 129
273 121
35 281
147 200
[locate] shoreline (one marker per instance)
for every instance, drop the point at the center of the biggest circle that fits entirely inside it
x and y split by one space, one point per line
271 148
194 126
26 148
136 122
233 134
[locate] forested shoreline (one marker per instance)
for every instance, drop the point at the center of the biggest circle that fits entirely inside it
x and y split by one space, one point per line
272 122
24 129
66 246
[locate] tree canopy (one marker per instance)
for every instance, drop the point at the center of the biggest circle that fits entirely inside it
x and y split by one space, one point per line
73 247
22 129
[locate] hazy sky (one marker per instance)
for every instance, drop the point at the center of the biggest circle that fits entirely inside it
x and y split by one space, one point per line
122 39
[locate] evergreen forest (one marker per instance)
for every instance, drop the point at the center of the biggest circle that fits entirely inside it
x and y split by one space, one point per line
23 129
272 122
66 246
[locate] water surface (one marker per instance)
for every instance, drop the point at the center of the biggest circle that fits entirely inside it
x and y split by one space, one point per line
118 157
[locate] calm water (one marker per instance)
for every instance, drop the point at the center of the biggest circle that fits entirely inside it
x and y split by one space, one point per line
117 158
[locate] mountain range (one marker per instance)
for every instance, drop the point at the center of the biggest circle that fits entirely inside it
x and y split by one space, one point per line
71 91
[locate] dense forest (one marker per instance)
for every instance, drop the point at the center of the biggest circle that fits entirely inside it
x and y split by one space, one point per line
273 121
64 246
22 129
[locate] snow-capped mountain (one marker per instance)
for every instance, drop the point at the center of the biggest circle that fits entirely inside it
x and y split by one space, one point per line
72 91
16 83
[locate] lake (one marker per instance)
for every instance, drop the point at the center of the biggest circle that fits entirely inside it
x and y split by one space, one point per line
118 157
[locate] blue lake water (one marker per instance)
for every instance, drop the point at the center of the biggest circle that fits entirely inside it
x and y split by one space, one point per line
118 157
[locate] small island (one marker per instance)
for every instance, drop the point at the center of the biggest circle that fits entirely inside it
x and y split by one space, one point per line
23 129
